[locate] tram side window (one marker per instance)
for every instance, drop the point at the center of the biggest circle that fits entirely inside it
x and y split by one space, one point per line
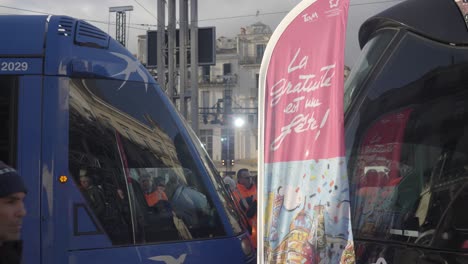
95 165
8 119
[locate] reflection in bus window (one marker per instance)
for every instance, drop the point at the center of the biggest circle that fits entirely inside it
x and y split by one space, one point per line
371 54
378 171
409 159
137 154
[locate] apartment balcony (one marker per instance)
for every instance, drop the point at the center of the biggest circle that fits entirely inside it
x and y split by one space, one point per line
250 60
217 81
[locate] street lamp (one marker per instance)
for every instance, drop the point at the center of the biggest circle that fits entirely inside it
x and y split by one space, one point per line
231 124
227 138
227 157
239 122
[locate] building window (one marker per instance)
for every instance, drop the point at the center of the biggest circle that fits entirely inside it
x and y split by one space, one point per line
206 137
205 99
251 119
206 73
227 68
260 51
205 104
257 80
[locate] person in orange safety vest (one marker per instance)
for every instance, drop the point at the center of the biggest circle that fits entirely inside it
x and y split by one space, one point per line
153 192
248 199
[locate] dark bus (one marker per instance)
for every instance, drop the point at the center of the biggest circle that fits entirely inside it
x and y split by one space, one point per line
406 119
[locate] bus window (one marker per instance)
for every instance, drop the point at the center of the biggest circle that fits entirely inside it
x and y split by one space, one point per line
8 119
138 153
371 55
408 160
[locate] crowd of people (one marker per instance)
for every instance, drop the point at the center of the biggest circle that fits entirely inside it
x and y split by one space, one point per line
167 211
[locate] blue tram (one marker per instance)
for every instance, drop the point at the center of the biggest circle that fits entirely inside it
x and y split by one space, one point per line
113 172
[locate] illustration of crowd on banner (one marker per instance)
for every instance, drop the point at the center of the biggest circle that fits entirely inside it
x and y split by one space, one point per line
316 210
306 205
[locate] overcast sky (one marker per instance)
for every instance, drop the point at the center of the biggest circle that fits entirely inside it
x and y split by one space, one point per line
228 16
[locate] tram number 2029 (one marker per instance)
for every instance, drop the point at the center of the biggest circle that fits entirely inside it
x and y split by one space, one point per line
14 66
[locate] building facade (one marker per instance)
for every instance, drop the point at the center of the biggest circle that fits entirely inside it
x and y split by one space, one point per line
228 98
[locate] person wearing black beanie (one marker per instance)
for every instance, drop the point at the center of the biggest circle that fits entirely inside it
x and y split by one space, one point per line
12 212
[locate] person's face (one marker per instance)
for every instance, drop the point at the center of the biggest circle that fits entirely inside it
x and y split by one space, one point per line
245 179
12 212
146 184
84 182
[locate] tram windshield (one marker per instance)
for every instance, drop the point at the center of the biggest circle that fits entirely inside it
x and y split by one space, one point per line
135 168
407 141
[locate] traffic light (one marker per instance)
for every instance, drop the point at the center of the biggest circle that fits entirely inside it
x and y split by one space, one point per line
232 162
223 163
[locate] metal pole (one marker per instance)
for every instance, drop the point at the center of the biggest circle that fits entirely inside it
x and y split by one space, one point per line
121 23
194 62
160 42
183 7
171 32
228 111
118 27
228 156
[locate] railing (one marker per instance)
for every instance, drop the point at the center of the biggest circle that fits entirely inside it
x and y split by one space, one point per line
217 81
250 60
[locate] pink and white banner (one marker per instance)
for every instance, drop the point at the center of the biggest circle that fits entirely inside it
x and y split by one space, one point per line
305 216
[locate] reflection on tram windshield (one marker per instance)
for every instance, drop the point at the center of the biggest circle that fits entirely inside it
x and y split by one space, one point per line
133 166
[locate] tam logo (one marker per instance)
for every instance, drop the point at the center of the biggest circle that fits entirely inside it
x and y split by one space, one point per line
310 17
168 259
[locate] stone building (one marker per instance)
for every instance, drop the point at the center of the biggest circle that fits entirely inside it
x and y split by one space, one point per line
229 99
